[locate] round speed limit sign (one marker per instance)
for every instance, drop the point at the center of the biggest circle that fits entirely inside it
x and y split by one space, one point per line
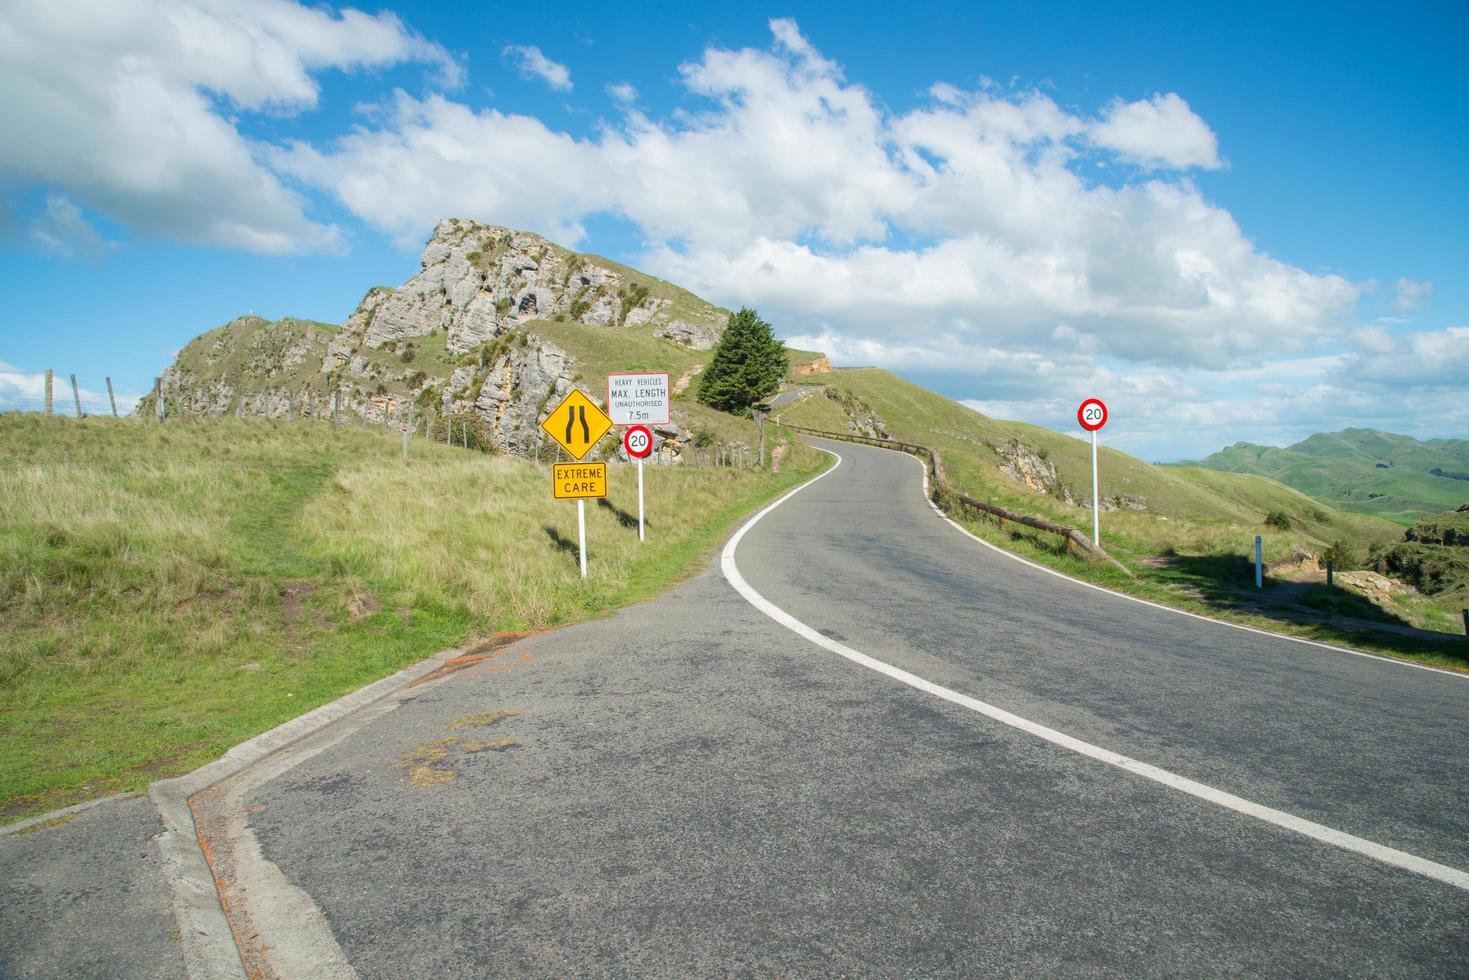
1092 414
638 441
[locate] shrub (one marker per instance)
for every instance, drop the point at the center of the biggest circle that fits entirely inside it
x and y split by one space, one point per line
1341 556
633 295
1278 519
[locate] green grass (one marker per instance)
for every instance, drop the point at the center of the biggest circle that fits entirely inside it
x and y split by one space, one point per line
168 591
600 351
1193 545
1395 477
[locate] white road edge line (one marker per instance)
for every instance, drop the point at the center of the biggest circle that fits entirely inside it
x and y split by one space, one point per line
1336 838
1158 605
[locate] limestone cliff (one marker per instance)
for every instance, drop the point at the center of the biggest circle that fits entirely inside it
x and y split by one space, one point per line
457 342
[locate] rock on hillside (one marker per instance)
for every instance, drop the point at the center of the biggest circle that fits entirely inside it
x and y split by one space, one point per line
477 282
456 341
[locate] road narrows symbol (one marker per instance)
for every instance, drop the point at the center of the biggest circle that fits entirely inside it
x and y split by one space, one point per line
576 424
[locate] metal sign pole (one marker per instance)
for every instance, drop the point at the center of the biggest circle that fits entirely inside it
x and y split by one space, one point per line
1096 497
640 500
581 533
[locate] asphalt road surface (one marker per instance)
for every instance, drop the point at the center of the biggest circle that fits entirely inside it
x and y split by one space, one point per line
691 788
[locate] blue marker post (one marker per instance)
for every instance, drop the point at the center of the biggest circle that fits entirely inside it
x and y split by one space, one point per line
1259 579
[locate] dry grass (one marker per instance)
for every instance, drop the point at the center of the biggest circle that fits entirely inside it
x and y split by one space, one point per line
168 591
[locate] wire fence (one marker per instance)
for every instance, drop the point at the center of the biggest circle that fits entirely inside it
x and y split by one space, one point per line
464 430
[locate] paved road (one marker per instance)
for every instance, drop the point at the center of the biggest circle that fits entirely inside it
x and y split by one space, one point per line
691 788
87 897
787 398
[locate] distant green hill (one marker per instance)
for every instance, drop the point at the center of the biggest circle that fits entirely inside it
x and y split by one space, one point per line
1364 470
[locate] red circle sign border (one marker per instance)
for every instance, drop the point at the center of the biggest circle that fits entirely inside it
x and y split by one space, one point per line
1081 414
647 432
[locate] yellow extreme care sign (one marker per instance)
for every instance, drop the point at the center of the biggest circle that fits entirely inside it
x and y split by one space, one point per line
571 481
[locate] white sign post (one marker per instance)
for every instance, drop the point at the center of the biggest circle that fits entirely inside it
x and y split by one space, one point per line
638 399
638 441
1093 415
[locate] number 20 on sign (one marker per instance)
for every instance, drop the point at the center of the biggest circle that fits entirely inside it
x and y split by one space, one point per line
1093 415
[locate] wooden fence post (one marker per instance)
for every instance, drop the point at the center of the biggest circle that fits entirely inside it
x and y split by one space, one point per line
112 398
158 406
336 406
48 391
76 395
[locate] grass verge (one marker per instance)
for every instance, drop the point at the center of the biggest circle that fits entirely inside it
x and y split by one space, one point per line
169 591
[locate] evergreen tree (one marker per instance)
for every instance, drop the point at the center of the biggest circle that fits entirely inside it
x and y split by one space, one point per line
748 367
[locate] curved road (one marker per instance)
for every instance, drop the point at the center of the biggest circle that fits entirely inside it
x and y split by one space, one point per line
695 789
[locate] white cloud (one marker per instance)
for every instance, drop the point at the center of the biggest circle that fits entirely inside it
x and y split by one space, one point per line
623 92
1190 414
1374 340
63 230
1409 296
792 187
127 107
531 63
1158 132
1428 360
435 157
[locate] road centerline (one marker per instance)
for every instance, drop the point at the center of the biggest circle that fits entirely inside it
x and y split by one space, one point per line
1328 835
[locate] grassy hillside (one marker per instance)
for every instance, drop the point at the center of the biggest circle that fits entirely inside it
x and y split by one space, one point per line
1434 556
168 591
1363 470
1190 544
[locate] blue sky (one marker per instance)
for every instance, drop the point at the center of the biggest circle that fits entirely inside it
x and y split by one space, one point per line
1231 222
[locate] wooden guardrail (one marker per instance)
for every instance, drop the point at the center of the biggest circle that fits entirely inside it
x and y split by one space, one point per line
944 494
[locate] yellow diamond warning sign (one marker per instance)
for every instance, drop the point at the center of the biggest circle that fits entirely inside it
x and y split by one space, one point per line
577 423
570 481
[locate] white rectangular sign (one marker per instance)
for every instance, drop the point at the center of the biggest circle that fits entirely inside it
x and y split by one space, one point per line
634 399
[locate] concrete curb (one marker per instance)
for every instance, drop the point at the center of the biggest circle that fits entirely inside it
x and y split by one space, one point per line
23 825
208 942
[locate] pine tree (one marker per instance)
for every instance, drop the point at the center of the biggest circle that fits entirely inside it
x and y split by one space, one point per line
748 367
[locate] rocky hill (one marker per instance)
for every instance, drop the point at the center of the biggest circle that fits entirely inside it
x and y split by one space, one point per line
467 339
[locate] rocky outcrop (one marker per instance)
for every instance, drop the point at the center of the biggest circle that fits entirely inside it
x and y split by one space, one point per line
700 335
476 282
860 419
818 366
455 342
1116 501
1031 468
